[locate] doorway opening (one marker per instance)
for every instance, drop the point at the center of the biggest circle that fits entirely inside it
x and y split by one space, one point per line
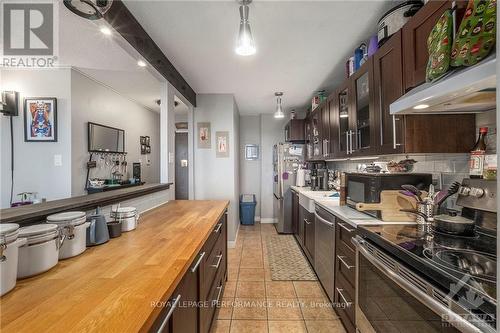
181 113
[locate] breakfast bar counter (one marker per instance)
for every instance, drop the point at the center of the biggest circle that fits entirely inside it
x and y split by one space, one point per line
114 287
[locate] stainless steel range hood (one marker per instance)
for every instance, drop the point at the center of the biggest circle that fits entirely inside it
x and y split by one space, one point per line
468 90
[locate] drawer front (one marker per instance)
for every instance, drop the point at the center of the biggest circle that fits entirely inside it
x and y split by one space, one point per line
345 232
207 311
214 262
217 230
344 295
345 264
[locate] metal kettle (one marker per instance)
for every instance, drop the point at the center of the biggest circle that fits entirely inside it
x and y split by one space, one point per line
97 232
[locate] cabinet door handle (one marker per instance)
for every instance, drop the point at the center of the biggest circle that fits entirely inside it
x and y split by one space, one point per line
307 221
219 259
341 259
218 294
169 314
195 267
394 134
342 225
347 141
343 297
217 229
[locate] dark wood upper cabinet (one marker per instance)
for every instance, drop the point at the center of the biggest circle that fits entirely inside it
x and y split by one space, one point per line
340 118
362 105
309 138
388 87
415 33
294 131
316 132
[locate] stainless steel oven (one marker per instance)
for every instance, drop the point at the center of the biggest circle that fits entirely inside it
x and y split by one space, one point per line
366 187
390 297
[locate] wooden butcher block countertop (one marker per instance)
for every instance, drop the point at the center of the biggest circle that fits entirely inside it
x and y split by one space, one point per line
111 287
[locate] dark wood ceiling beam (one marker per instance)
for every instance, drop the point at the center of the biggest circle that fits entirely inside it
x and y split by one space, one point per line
122 20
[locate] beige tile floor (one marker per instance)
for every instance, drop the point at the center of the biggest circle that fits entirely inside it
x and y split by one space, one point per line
253 303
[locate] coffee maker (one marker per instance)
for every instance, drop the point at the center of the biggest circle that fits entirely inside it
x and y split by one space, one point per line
319 177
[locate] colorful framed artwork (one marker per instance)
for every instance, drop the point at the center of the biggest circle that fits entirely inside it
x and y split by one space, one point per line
222 141
204 138
40 119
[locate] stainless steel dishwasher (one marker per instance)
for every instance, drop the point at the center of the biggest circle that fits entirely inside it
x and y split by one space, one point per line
324 250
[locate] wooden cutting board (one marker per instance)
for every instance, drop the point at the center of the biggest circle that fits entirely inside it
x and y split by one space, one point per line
390 204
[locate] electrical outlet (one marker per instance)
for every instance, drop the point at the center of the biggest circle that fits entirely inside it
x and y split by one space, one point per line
57 160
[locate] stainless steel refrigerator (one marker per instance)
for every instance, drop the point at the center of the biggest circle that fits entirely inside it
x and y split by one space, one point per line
286 160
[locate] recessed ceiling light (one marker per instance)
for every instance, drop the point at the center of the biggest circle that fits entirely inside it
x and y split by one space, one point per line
106 31
141 63
421 106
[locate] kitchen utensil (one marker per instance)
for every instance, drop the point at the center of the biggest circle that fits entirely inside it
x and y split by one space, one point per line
451 191
97 232
41 251
9 256
115 229
453 224
413 190
391 202
395 18
72 225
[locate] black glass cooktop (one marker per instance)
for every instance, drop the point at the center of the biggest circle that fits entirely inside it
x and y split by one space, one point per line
464 266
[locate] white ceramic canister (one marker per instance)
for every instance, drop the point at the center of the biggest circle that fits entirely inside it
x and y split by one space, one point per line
9 251
72 226
41 251
127 215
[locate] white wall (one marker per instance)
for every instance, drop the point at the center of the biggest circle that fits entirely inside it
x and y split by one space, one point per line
34 161
216 178
272 133
250 177
94 102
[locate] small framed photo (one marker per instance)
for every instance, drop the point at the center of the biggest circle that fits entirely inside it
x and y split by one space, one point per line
148 150
143 149
222 140
251 152
148 140
40 119
143 140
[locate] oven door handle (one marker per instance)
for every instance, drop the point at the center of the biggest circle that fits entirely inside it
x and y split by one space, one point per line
453 318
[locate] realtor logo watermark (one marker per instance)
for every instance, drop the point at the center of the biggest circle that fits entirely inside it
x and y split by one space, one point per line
29 34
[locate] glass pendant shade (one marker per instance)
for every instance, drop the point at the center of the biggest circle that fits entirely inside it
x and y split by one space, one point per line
245 45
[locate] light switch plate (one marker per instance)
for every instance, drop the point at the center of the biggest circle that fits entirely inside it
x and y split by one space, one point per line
57 160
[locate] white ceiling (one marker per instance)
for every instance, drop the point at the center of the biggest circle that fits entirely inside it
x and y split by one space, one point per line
302 46
107 59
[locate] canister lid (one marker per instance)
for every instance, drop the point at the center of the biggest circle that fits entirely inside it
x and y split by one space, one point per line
8 228
65 217
8 232
123 209
37 230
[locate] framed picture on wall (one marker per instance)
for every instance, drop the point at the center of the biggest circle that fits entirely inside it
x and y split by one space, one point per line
222 141
40 119
204 138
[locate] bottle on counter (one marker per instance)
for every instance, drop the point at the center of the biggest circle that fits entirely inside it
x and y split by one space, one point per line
342 192
476 163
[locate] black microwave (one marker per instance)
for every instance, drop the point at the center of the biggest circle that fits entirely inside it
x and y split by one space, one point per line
366 187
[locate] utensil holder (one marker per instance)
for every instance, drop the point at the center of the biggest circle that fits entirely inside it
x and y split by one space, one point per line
427 209
115 229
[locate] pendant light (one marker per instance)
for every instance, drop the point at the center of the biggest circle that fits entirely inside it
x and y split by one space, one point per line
245 45
279 109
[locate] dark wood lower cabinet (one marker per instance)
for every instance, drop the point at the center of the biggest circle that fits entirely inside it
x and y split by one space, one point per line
295 213
345 275
310 223
193 304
